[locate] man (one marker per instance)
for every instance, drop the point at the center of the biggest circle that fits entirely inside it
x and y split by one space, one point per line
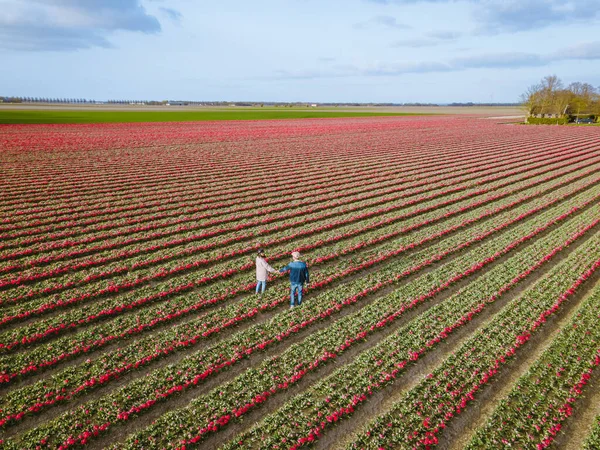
298 276
262 269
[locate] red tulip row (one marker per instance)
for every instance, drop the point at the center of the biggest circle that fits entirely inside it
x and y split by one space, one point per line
158 315
346 193
170 255
169 134
123 170
191 199
77 141
242 237
213 411
167 342
454 384
164 263
305 418
179 187
380 149
111 405
426 177
47 164
187 196
56 325
545 396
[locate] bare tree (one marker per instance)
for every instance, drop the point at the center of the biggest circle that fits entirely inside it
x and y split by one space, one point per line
595 107
550 85
531 99
583 96
549 97
562 100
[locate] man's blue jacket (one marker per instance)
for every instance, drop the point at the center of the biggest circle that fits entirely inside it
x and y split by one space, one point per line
298 272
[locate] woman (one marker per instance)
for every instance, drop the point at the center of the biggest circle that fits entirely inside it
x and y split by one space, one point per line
262 269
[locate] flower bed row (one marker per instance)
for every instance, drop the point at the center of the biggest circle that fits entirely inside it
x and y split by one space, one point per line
228 168
126 183
140 276
242 236
188 197
315 198
425 410
307 416
91 313
88 340
122 328
140 395
136 355
178 173
420 181
544 397
315 202
592 441
181 191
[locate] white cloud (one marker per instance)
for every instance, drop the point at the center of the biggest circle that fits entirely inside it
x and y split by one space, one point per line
69 24
496 16
498 60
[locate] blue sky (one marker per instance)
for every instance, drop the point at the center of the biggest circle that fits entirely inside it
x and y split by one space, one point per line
295 50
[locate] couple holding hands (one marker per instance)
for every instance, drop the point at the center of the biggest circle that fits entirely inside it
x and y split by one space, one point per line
298 275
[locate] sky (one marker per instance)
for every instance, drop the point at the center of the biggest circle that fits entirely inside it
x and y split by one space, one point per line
399 51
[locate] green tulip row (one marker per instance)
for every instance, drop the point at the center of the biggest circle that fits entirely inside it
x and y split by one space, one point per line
533 411
81 379
302 419
145 392
425 410
592 442
83 282
114 306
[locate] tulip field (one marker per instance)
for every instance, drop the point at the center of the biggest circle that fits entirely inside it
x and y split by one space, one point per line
454 299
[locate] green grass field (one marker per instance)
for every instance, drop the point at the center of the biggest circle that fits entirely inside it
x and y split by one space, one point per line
23 116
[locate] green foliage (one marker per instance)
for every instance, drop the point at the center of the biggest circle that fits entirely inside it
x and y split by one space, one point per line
10 116
561 121
553 382
593 440
547 121
447 391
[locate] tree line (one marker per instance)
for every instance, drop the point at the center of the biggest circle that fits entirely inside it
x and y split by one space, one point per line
4 99
76 101
551 99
